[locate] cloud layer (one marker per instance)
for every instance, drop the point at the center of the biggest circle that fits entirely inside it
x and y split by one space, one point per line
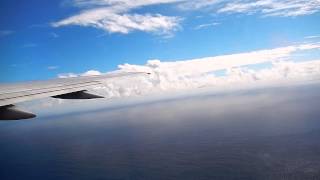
238 70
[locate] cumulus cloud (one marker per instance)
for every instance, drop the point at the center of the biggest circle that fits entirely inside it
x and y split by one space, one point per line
91 73
199 73
189 75
167 80
115 16
209 64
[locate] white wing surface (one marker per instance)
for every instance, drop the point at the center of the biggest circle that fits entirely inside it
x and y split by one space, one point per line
68 88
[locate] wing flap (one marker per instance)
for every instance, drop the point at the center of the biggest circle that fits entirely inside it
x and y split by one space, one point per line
10 112
78 95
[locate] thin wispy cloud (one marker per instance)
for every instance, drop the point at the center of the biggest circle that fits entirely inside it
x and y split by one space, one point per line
5 33
29 45
283 8
123 3
203 26
54 35
312 37
198 4
279 8
52 67
44 25
115 16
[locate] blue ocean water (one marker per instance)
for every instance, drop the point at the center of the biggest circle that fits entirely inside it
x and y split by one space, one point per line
253 134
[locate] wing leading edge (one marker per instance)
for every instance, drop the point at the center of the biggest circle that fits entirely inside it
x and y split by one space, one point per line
69 88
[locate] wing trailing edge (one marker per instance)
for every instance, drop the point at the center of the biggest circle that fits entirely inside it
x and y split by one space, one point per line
11 112
69 88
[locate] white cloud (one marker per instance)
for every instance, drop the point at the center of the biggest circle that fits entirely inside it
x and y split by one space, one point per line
199 73
119 16
126 3
189 75
67 75
285 8
198 4
202 26
91 73
88 73
209 64
312 37
167 80
282 8
114 16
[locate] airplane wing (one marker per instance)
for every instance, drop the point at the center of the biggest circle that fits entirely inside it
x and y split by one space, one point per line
67 88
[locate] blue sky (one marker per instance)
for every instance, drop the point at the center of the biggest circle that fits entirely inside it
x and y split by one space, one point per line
41 39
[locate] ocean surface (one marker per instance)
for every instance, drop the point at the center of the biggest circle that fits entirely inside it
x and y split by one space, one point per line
271 133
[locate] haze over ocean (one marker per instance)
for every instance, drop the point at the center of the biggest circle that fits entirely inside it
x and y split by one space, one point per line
269 133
